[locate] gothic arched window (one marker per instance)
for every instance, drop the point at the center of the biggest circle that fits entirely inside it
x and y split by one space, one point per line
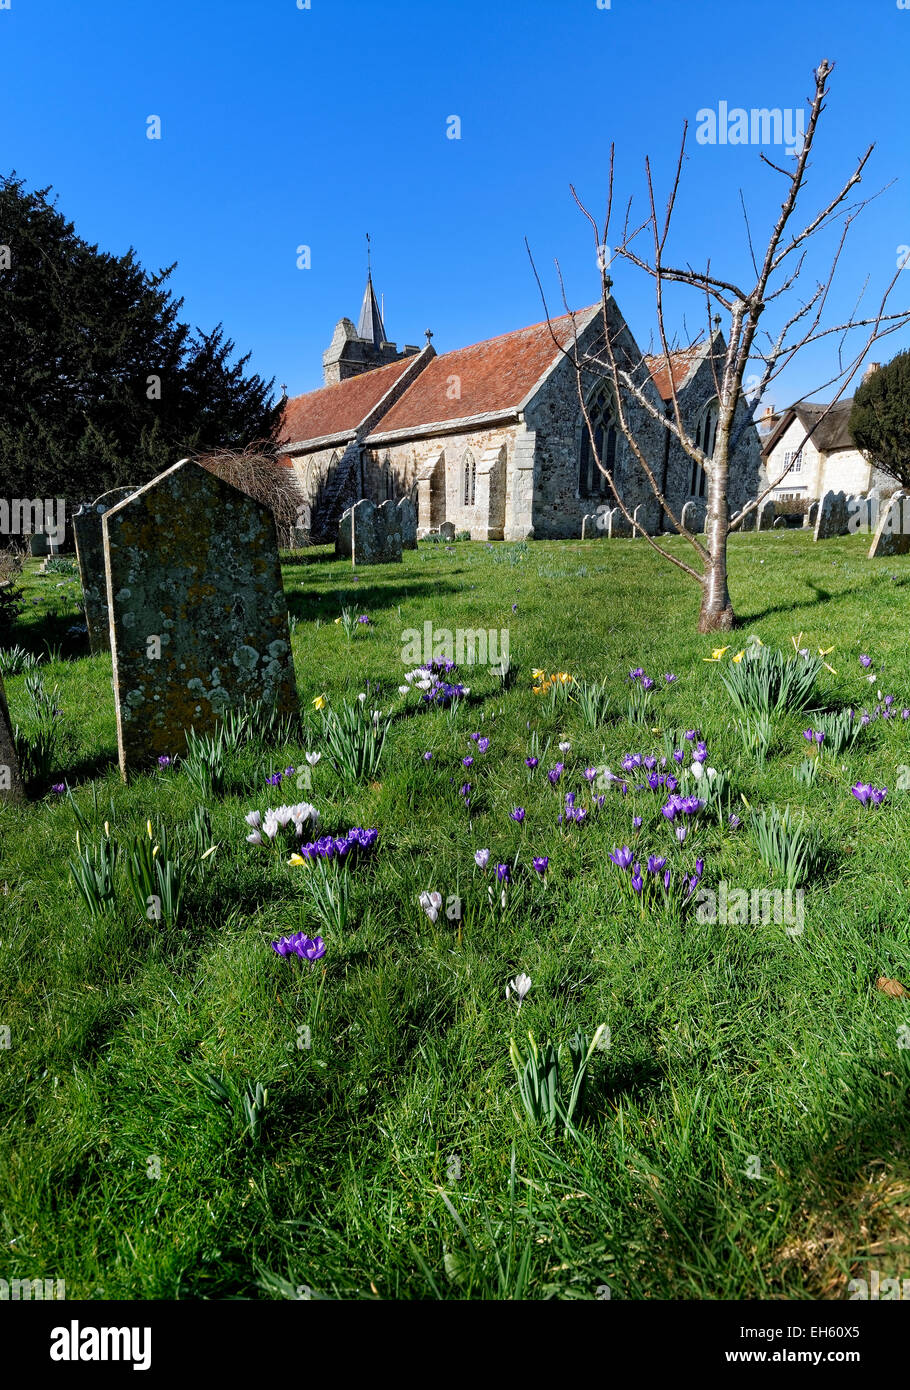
705 435
591 480
469 476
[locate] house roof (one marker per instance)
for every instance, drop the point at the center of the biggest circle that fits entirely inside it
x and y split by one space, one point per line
681 364
493 376
339 409
831 434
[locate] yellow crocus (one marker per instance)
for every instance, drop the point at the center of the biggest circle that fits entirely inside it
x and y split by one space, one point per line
739 656
296 859
825 651
539 675
320 702
716 654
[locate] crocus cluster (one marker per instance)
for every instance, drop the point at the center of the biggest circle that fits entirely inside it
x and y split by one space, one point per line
637 674
681 806
867 795
430 680
571 813
333 847
265 828
278 777
814 736
656 876
307 948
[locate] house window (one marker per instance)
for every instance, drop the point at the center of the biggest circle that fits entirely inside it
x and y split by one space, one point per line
592 481
705 435
793 461
469 474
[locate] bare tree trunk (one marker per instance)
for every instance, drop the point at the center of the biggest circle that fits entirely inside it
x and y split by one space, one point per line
716 614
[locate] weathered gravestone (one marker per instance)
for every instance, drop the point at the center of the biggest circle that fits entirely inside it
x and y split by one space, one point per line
198 618
589 526
694 516
90 558
368 534
407 523
780 524
811 514
447 531
833 516
39 543
892 535
647 516
766 515
617 525
11 787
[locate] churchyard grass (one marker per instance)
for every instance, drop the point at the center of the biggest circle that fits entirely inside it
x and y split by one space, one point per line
186 1114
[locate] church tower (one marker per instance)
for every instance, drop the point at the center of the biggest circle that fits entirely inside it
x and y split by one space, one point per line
355 350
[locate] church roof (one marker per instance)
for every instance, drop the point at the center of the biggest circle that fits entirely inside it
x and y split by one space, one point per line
681 364
483 379
370 325
339 409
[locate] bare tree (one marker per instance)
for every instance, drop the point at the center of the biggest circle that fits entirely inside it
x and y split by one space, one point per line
768 351
261 476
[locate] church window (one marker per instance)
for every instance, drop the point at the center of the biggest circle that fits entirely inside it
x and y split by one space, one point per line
469 472
591 480
705 435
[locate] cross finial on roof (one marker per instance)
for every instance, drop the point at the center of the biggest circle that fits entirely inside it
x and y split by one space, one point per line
284 389
429 334
716 322
368 256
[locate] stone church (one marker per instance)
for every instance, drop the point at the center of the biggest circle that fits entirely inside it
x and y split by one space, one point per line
491 437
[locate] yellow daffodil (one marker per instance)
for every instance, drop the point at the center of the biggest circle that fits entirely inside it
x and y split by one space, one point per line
296 859
829 668
739 656
825 651
155 850
716 654
338 620
539 675
564 677
320 702
148 826
210 850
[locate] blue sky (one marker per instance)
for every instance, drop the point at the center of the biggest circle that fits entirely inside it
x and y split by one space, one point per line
284 127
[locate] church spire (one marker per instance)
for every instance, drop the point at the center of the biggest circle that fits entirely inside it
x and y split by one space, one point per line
370 325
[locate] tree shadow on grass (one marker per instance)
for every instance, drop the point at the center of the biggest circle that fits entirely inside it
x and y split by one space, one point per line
821 596
365 597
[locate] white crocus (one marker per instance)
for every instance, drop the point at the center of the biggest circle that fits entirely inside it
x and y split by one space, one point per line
313 758
518 987
431 903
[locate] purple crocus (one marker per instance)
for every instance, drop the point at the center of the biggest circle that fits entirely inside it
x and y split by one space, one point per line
59 788
554 774
647 683
481 858
677 755
636 822
482 745
518 814
274 780
428 757
164 760
531 763
669 678
865 661
590 774
622 858
681 833
467 762
862 790
502 873
734 822
637 880
637 673
540 863
655 863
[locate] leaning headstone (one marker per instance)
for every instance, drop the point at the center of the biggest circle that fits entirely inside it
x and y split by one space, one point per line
198 618
90 558
780 523
811 514
694 516
766 515
407 523
11 786
892 535
388 527
447 531
833 516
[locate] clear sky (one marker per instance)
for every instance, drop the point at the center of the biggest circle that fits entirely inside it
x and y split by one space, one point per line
283 126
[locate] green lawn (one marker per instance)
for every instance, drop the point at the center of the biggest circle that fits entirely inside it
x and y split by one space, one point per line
743 1134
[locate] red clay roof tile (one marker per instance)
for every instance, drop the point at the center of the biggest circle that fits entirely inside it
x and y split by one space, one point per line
338 409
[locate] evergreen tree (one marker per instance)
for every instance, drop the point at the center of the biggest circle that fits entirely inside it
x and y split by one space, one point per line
101 384
880 418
